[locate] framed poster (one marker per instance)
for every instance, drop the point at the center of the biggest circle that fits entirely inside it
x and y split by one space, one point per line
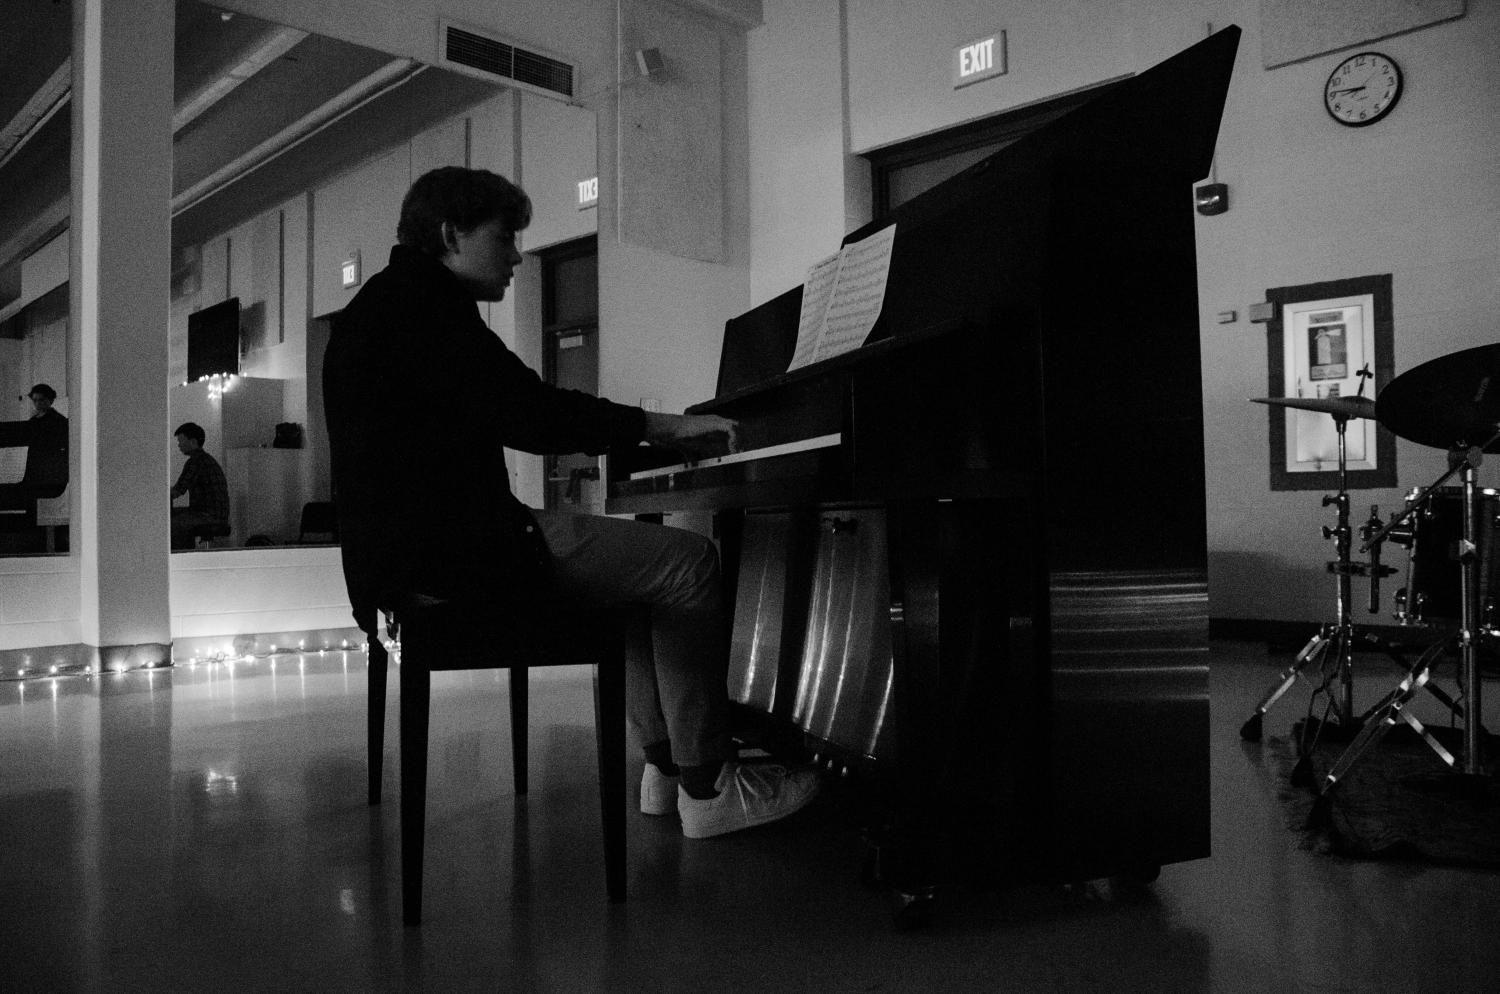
1326 340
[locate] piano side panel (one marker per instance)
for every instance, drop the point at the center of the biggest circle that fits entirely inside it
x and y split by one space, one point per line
1130 746
1125 526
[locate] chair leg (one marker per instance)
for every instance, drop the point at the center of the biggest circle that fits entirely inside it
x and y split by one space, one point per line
519 688
416 693
379 663
609 723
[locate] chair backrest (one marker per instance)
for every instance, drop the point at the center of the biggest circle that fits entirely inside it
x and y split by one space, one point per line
53 510
320 518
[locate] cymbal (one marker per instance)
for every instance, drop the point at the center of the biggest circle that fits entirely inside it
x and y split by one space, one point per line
1349 407
1447 403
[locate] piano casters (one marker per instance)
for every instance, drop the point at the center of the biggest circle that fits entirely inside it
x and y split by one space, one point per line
1332 648
1445 403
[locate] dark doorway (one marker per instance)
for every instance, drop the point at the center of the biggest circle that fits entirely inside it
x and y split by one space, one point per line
570 357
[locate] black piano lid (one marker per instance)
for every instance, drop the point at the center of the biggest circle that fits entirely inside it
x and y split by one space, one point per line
1165 120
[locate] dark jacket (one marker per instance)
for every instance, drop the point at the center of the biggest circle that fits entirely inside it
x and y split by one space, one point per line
47 455
420 398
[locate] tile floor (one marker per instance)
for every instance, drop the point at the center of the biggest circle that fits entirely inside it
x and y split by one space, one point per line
204 829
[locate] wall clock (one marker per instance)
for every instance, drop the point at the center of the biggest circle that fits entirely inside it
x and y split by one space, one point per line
1362 89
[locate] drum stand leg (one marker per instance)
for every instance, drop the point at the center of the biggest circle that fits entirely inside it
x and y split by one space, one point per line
1383 717
1330 636
1337 638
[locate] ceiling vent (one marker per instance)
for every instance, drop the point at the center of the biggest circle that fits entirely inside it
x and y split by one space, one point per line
489 57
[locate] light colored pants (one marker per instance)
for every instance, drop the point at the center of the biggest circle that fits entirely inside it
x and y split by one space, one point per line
677 682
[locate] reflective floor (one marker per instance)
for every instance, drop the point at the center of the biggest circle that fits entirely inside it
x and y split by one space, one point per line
205 829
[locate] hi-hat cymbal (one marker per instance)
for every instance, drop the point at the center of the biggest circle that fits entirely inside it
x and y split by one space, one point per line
1448 403
1349 407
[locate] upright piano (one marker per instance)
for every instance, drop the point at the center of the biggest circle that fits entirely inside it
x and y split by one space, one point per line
967 559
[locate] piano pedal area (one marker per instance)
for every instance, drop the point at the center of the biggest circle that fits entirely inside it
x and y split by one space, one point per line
892 647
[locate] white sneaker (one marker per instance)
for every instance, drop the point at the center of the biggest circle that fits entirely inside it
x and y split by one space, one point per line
658 792
750 794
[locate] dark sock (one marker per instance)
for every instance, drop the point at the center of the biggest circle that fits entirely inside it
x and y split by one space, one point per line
699 781
659 755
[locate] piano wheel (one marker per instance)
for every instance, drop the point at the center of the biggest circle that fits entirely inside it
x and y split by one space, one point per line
909 909
912 910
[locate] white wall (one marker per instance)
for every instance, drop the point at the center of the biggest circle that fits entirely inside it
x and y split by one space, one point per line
252 591
559 149
662 313
1416 196
797 143
40 602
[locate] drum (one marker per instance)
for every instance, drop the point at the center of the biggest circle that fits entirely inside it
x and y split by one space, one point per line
1433 592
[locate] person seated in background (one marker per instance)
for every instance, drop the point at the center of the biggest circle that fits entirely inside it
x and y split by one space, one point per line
208 492
47 456
45 438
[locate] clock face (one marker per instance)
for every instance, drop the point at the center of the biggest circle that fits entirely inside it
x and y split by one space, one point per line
1363 89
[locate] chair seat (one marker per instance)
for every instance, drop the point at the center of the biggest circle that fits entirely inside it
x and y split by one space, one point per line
556 632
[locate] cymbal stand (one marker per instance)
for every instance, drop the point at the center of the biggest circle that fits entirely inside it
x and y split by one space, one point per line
1335 641
1392 708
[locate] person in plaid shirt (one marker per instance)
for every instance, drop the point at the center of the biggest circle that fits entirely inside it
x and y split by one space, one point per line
203 481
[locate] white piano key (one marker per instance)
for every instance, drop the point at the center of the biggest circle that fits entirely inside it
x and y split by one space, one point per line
786 448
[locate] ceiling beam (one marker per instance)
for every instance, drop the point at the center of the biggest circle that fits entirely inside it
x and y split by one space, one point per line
48 99
255 57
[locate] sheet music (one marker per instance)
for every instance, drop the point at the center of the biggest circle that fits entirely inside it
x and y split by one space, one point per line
12 463
842 298
864 267
817 291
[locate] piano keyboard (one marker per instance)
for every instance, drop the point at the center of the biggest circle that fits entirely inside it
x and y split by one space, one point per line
786 448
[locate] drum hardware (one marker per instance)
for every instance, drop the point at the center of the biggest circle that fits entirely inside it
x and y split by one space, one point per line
1392 708
1432 535
1332 648
1450 399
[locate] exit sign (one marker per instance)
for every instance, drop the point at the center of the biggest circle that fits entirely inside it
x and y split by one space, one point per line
977 60
349 270
588 193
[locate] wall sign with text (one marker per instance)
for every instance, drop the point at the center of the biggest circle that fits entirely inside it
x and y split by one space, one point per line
588 193
1320 337
984 58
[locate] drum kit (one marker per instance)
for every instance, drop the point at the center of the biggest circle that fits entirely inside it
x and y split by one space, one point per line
1453 561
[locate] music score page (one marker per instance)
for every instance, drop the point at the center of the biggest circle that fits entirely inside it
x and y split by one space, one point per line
842 297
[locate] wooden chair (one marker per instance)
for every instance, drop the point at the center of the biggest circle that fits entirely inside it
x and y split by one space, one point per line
448 636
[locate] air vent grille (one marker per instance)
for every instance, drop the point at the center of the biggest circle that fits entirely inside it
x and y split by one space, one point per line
490 55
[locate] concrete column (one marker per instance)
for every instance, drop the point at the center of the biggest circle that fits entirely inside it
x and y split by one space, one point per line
121 244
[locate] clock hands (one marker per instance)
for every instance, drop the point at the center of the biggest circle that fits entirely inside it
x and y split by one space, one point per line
1347 89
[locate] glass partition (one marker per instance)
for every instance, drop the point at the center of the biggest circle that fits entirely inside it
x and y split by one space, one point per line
36 366
291 154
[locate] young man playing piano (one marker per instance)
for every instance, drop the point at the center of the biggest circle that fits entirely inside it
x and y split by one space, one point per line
413 332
